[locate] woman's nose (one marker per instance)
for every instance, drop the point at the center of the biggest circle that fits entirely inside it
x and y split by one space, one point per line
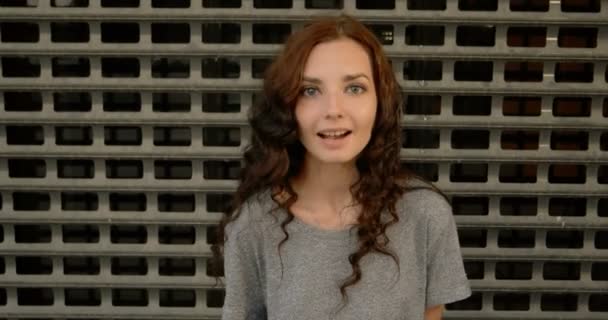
334 105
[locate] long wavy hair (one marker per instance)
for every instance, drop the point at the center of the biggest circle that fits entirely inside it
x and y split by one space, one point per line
276 154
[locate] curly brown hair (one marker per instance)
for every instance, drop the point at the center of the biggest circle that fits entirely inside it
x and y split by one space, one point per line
275 154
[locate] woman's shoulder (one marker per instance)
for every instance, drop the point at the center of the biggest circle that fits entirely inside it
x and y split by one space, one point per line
422 202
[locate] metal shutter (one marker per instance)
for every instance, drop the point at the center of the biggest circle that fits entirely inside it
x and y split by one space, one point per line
122 125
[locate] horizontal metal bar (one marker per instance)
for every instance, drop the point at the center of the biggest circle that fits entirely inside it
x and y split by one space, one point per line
535 286
492 155
240 85
114 312
528 315
404 16
147 217
535 254
108 281
536 222
244 51
197 117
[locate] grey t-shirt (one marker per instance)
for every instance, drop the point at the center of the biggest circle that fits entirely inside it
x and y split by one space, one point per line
315 263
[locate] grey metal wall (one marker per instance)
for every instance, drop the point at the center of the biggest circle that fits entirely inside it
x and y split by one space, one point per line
122 125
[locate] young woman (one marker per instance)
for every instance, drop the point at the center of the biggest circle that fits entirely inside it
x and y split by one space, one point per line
325 224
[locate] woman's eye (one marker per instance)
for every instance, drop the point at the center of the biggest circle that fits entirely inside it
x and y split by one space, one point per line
310 91
356 89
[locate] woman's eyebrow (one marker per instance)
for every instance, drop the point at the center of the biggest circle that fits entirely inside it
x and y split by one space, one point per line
348 77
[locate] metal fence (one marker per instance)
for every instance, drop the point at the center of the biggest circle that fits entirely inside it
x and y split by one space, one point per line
122 125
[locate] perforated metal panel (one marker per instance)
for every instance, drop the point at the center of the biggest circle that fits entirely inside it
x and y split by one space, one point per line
122 125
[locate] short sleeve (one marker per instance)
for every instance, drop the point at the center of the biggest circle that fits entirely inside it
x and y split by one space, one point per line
244 293
446 278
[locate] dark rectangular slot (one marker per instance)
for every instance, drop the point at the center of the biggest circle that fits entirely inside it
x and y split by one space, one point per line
79 169
470 206
135 266
22 101
572 107
475 36
524 71
79 201
13 67
470 139
24 135
518 206
574 72
35 296
601 239
19 32
558 302
120 67
171 202
221 102
383 32
170 32
472 238
32 233
170 3
516 238
221 169
74 136
473 70
121 102
519 140
422 70
474 269
81 265
221 3
127 202
122 136
561 271
567 173
580 5
421 104
426 4
220 68
599 271
177 298
31 201
472 105
124 169
420 138
469 172
128 234
217 136
521 106
218 202
69 32
272 4
598 302
172 169
82 297
72 101
577 37
511 301
129 297
529 5
70 4
26 168
267 33
527 37
176 235
112 32
221 33
429 171
34 265
473 302
564 239
71 67
170 68
424 35
568 207
120 3
80 233
258 67
176 267
517 173
569 140
172 136
171 102
513 270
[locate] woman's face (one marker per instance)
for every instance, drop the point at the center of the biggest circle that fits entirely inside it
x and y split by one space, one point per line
337 105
